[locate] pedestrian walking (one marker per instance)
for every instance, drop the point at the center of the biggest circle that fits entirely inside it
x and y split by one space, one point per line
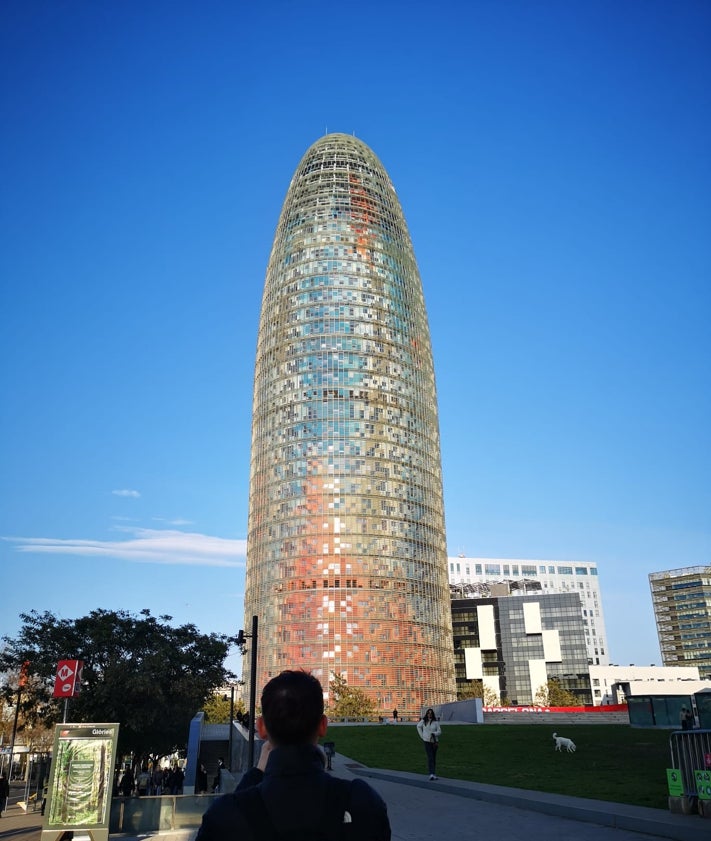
143 781
430 731
4 793
127 783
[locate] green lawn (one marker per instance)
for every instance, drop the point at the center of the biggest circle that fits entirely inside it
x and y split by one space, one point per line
612 762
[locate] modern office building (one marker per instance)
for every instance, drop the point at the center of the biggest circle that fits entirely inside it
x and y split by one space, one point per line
516 645
498 577
346 552
682 609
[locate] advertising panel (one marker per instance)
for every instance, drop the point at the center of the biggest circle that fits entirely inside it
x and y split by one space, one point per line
79 795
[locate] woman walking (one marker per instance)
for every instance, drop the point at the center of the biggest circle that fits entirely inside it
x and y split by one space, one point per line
430 731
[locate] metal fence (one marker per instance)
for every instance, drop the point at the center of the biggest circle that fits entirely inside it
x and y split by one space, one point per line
690 752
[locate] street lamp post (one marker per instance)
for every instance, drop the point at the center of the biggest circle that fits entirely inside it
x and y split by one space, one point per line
241 637
232 724
14 728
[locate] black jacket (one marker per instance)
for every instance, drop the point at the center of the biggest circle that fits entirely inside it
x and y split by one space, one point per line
293 788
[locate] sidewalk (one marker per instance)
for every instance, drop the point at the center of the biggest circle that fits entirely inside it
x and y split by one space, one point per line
459 811
15 823
517 814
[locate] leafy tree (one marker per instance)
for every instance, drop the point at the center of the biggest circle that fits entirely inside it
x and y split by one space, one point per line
217 708
348 701
541 697
477 689
559 696
139 671
553 694
31 733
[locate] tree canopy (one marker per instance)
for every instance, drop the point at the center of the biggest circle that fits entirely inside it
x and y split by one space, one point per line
348 701
140 671
217 708
477 689
553 694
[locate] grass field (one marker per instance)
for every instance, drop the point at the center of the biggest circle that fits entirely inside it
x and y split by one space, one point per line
612 762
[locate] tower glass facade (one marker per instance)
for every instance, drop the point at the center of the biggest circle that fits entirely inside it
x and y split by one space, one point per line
346 554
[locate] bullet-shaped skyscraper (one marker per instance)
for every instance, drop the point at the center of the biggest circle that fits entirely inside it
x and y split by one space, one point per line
346 553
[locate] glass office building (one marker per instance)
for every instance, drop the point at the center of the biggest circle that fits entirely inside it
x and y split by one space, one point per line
515 645
499 576
346 554
682 608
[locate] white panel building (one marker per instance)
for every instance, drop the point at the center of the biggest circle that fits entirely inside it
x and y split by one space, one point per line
612 684
487 577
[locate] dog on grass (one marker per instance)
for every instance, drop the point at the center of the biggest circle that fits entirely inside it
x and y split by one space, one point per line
561 742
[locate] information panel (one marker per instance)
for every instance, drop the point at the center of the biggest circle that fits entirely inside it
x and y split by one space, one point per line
674 781
79 795
703 784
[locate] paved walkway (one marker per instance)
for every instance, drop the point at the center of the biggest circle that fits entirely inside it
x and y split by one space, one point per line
459 811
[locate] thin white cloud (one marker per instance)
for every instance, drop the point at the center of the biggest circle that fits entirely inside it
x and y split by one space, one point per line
178 521
126 492
147 546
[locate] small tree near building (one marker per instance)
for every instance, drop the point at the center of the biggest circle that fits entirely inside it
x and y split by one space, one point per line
478 689
552 694
348 701
217 708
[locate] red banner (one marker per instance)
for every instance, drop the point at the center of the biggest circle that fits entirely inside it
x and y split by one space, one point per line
607 708
67 681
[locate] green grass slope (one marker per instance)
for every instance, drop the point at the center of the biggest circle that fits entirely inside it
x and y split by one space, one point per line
612 762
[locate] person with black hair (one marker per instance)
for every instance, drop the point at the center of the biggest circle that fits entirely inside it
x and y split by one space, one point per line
429 729
289 793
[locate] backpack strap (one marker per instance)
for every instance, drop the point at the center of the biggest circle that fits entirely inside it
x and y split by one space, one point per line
256 815
338 802
331 826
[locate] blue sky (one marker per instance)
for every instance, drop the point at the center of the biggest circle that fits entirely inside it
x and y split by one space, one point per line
552 160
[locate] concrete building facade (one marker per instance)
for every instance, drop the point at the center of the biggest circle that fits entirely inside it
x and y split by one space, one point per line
614 684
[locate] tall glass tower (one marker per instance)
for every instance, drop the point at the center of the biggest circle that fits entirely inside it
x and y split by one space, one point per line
681 599
346 553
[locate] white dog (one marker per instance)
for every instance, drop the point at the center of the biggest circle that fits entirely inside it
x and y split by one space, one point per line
561 742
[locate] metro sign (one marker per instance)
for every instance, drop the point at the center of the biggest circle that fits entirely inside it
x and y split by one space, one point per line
68 677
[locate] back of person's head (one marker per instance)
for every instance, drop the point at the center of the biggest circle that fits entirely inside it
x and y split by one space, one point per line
292 707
